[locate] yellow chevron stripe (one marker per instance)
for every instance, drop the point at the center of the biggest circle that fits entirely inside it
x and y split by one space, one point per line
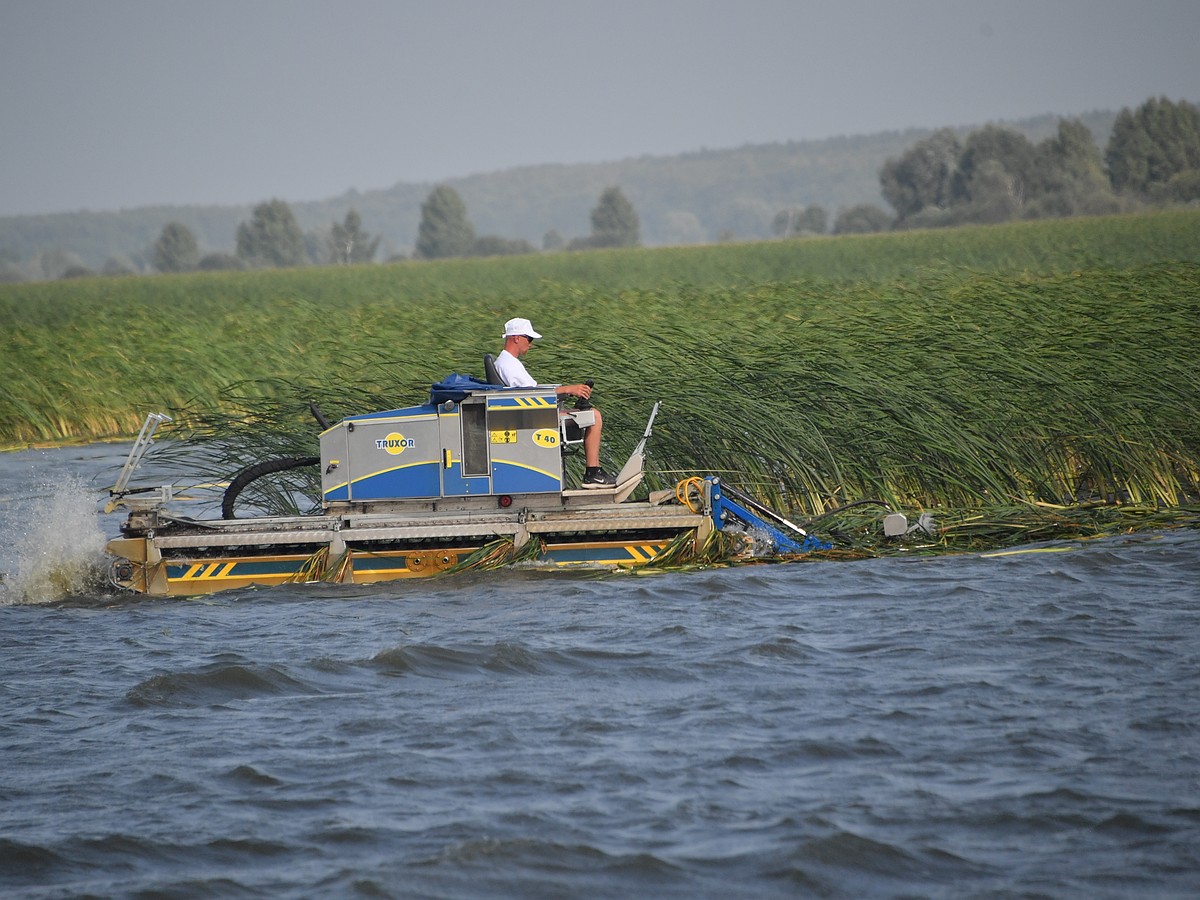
644 552
533 402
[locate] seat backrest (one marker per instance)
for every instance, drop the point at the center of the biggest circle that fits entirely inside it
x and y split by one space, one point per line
489 369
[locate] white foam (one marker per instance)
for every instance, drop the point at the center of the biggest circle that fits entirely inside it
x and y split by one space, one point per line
56 542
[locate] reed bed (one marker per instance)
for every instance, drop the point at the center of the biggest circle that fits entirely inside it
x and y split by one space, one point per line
84 359
940 392
1001 368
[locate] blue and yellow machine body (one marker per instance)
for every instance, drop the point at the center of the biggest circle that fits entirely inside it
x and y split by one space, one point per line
485 443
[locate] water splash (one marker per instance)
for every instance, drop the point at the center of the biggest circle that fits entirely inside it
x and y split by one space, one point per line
57 545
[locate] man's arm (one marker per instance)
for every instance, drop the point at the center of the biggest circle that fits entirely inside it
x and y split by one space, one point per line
573 390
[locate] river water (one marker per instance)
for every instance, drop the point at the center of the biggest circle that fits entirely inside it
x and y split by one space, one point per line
1011 726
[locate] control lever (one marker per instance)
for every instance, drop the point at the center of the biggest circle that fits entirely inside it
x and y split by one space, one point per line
581 403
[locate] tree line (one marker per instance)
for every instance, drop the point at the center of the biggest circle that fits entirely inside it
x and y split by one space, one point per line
997 174
1040 167
272 237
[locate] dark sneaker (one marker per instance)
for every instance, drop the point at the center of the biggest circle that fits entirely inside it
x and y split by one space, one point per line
599 479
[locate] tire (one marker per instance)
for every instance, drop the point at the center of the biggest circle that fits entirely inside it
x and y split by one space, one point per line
257 471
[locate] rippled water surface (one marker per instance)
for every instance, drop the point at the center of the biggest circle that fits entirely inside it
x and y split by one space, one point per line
1023 725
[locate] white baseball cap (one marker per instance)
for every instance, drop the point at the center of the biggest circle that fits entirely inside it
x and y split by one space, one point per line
517 327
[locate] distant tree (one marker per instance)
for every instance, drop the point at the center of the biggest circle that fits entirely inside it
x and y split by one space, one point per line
217 262
995 194
923 176
56 262
118 265
614 221
1071 180
999 175
861 219
444 230
1010 178
815 220
271 237
1182 188
552 240
809 220
1152 144
493 245
176 249
349 243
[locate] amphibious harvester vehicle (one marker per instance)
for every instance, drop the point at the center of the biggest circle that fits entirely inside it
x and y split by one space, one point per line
477 470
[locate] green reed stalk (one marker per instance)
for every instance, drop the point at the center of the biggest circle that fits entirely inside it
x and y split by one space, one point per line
1023 379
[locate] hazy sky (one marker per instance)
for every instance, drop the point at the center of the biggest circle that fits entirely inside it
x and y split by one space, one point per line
108 104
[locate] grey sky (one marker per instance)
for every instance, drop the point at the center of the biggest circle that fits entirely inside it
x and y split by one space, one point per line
114 104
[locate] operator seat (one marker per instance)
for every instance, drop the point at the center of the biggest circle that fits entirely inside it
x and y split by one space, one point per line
489 369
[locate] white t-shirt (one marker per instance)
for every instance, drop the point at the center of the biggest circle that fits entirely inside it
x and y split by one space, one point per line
512 371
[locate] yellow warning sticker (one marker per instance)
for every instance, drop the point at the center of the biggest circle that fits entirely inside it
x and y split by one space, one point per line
504 436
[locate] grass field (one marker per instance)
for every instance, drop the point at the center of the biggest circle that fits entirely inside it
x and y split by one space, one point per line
1027 363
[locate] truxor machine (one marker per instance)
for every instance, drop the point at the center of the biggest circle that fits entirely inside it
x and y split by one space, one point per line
476 471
